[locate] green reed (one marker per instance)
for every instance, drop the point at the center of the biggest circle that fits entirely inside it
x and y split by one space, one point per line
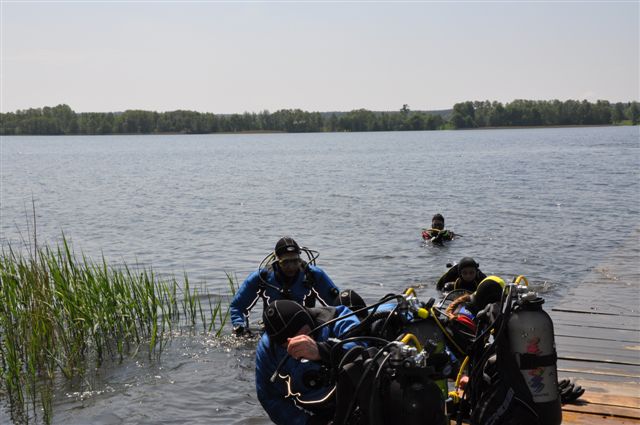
61 314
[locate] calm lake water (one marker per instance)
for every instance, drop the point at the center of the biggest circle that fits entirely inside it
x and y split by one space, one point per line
557 205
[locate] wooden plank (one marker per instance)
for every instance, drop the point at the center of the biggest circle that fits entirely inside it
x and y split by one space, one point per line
568 344
630 348
617 388
598 327
605 399
601 367
595 317
570 417
599 351
579 418
591 358
605 334
597 313
597 321
598 375
603 410
612 399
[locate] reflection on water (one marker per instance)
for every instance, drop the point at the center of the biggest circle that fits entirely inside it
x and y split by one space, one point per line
557 205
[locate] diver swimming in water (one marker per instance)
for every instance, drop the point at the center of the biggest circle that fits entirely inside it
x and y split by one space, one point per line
437 234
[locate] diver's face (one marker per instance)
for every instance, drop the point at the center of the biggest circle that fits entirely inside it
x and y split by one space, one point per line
468 274
289 264
437 224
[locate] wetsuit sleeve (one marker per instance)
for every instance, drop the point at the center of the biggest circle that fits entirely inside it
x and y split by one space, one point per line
326 291
337 330
244 300
449 276
341 327
281 410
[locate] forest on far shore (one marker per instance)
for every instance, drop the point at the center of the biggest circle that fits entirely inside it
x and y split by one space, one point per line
62 120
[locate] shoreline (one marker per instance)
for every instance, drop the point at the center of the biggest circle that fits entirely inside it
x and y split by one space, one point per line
320 132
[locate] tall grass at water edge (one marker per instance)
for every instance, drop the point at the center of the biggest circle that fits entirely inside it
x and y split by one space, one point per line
61 315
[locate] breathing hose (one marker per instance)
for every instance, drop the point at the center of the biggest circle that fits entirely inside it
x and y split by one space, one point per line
384 299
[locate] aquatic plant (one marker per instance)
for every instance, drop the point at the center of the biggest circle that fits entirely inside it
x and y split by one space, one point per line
61 314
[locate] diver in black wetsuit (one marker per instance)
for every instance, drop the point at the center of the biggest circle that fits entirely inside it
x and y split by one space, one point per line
464 275
437 233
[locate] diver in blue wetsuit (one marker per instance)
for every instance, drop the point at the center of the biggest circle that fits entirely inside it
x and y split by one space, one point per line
286 277
292 364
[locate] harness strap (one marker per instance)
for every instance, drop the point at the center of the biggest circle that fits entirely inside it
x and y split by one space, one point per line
531 361
308 281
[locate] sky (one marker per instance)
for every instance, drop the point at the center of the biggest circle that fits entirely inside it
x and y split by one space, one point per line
234 57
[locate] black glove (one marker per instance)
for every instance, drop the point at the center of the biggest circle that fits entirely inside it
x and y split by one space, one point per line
569 392
241 331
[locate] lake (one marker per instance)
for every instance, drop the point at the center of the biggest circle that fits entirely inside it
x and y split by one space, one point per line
559 205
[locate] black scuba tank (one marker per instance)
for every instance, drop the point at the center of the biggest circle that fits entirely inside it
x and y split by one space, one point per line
532 343
408 391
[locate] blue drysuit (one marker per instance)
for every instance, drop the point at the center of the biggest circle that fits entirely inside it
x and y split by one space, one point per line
299 388
305 289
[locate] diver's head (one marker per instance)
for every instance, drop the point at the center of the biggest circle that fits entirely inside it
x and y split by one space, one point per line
467 269
285 319
488 291
437 221
351 299
287 253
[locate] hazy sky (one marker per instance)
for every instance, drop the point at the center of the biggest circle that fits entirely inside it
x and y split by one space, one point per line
226 57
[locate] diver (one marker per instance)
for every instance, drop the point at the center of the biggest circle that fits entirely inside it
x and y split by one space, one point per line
464 275
283 274
293 361
437 234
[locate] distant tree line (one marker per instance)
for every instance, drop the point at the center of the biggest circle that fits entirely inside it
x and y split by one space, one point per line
62 119
543 113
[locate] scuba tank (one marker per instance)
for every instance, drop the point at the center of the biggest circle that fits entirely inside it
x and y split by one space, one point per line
531 337
409 391
403 387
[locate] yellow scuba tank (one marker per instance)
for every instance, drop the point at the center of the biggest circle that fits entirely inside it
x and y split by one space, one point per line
531 339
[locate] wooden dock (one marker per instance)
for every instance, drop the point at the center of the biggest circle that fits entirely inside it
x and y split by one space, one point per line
601 352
